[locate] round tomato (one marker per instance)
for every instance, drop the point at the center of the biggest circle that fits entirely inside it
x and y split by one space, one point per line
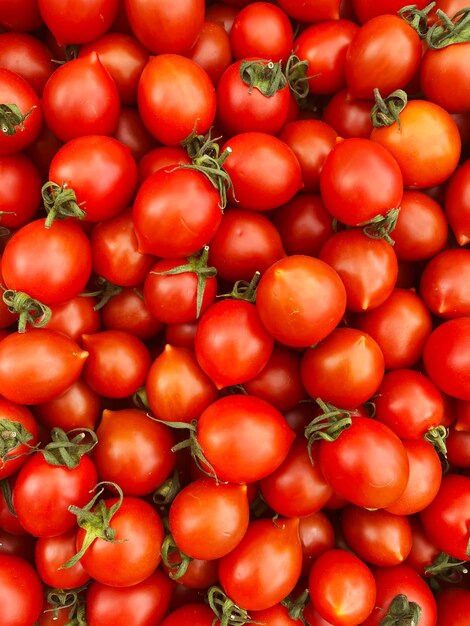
452 607
191 614
212 49
127 310
27 56
311 10
443 284
349 116
51 553
317 535
21 592
456 203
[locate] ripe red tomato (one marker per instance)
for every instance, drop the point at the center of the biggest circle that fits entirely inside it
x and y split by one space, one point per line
212 49
191 614
75 317
300 318
311 10
27 56
265 566
175 97
19 432
443 284
21 592
452 607
127 311
51 553
349 116
317 535
456 204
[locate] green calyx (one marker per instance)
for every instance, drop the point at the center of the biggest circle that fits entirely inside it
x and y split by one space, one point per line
327 426
164 495
196 264
402 612
60 203
386 111
265 76
447 31
106 290
69 600
66 452
437 438
29 310
296 606
447 568
381 226
11 118
226 611
12 435
244 290
179 567
417 18
96 522
297 79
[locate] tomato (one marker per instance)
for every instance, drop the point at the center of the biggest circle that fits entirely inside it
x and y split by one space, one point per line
349 116
416 244
191 614
281 174
46 360
23 16
244 243
116 606
177 388
24 126
27 56
400 326
207 519
75 317
304 224
100 170
127 311
92 19
445 357
80 98
19 432
297 487
199 575
384 54
311 141
279 382
134 554
252 98
49 555
317 535
172 198
132 133
368 267
446 518
21 592
160 157
20 195
443 284
342 588
348 355
231 344
456 203
372 481
360 180
265 566
123 57
230 451
77 407
43 150
118 363
175 97
423 552
277 615
402 580
180 297
300 318
133 451
452 607
311 10
212 49
324 45
365 10
425 143
168 26
458 447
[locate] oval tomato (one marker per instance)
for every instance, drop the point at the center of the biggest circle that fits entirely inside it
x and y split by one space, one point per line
51 553
21 586
443 284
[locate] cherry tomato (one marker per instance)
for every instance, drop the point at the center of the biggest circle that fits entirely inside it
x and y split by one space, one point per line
456 203
311 10
16 445
75 317
27 56
23 16
51 553
127 310
452 606
317 535
349 116
212 50
21 592
443 284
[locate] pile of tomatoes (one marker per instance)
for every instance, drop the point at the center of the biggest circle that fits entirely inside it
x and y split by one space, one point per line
235 313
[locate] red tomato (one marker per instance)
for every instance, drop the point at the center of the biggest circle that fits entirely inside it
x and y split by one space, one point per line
359 181
347 355
166 26
311 141
300 318
127 311
297 487
23 16
49 361
27 56
71 24
452 607
374 480
60 487
118 363
21 592
425 143
134 554
123 57
458 447
349 116
207 519
173 110
160 157
368 267
20 194
342 588
19 432
456 203
230 451
402 580
51 553
177 388
446 357
265 566
231 344
446 519
80 98
281 177
115 606
317 535
191 614
132 133
311 10
443 284
100 170
24 126
212 50
400 326
384 54
324 47
366 10
75 317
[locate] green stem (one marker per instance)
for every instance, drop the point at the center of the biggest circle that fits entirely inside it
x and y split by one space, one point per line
29 310
447 31
265 76
179 568
7 495
244 290
437 438
381 226
106 290
60 203
386 111
12 435
327 426
402 612
297 79
65 452
167 491
226 611
447 568
11 118
417 18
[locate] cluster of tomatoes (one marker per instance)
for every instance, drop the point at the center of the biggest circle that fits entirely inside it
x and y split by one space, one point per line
235 313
